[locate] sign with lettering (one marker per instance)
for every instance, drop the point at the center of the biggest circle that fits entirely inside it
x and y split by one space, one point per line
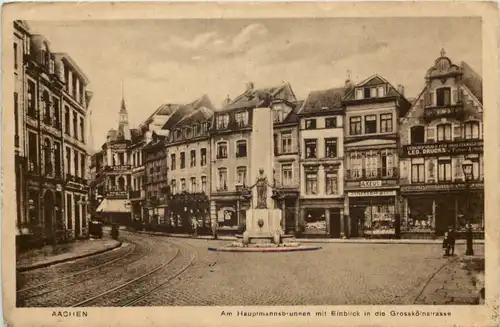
435 149
370 183
439 187
371 193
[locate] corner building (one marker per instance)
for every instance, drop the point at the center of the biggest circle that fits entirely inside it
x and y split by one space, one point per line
372 112
440 136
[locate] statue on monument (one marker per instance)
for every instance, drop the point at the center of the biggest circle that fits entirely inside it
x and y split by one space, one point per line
262 184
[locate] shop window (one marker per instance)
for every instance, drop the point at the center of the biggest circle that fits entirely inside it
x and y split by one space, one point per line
471 130
193 185
417 171
355 165
417 134
286 175
355 126
370 124
444 170
315 221
204 184
193 158
203 155
443 96
32 152
183 185
241 118
388 167
222 121
310 148
386 123
241 149
444 132
310 124
331 147
222 150
286 142
222 182
311 183
331 183
331 122
371 164
172 161
241 175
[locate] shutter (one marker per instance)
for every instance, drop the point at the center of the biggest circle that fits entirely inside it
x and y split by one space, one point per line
454 98
431 98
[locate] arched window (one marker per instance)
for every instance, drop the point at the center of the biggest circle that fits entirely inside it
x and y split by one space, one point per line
444 132
417 134
47 157
471 130
121 183
221 150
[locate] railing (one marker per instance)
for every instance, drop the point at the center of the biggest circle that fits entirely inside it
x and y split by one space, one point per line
371 173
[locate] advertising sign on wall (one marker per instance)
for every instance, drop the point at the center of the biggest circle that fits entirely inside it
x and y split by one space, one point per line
435 149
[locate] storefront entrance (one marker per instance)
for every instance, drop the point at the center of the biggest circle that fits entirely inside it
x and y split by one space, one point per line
372 216
48 214
335 222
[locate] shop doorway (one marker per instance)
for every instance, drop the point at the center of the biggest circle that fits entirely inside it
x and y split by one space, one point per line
335 224
357 214
445 214
48 214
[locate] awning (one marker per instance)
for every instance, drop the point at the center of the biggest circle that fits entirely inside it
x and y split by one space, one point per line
115 205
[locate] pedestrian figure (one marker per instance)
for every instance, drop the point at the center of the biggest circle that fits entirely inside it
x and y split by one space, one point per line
195 226
469 250
449 243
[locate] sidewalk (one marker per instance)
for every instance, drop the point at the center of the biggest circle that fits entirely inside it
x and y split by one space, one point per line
50 255
320 240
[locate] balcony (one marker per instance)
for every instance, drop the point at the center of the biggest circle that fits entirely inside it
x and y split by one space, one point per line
451 111
379 173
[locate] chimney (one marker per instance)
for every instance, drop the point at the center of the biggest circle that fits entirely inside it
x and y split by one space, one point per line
401 89
249 86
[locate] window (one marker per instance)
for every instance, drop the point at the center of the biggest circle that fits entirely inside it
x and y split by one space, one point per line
173 186
380 91
371 164
430 134
15 56
121 159
193 158
386 123
444 170
241 118
241 175
278 114
310 123
75 160
355 126
310 148
286 142
16 119
388 169
471 130
193 185
222 179
183 185
444 132
417 134
47 157
275 144
367 92
31 99
286 175
204 184
331 122
57 113
68 160
47 119
66 121
203 154
75 125
443 96
359 94
82 164
311 183
331 183
33 152
69 213
331 148
172 161
241 149
57 159
222 121
356 164
370 124
417 171
82 130
221 150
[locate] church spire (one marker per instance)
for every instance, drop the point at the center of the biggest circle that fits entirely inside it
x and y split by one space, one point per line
123 108
123 128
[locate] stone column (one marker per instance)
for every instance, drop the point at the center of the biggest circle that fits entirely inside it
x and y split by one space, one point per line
283 215
327 220
238 212
342 223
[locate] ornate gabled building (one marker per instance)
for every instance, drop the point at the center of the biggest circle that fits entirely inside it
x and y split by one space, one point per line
371 148
442 174
51 120
321 139
230 157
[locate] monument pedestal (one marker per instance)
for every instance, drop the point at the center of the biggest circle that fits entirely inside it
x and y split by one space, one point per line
270 219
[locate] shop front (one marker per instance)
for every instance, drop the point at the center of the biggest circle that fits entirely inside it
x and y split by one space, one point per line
373 214
185 209
322 218
230 214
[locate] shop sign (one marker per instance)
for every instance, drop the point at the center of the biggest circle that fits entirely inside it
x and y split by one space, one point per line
371 193
225 213
439 187
370 183
436 149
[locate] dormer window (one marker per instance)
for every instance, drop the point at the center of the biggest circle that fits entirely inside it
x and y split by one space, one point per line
241 118
370 92
203 128
178 134
196 129
222 121
278 114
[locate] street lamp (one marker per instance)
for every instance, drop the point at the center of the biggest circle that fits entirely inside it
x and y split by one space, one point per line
467 168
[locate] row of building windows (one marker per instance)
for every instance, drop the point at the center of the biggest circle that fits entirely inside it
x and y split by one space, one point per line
285 146
189 132
330 122
445 132
242 176
241 149
240 118
192 159
194 186
371 124
371 164
311 148
311 183
444 171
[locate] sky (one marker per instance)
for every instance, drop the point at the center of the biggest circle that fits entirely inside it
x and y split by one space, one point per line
176 61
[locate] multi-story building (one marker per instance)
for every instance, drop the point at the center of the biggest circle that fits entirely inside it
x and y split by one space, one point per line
188 148
230 156
321 136
136 191
371 144
442 175
51 103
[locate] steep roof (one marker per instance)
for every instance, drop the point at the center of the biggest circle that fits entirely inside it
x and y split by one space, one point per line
187 109
165 109
200 114
253 98
323 100
472 80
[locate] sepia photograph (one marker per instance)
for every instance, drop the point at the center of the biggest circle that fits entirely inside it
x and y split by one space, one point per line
248 161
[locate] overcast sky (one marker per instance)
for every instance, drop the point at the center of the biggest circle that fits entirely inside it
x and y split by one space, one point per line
176 61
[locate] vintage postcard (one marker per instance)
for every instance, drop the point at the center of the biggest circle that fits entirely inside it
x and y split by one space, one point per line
257 164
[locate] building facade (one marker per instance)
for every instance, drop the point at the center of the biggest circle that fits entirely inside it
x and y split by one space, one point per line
442 174
51 120
371 144
321 135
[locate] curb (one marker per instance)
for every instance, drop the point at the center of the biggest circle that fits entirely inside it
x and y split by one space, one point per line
312 240
54 262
